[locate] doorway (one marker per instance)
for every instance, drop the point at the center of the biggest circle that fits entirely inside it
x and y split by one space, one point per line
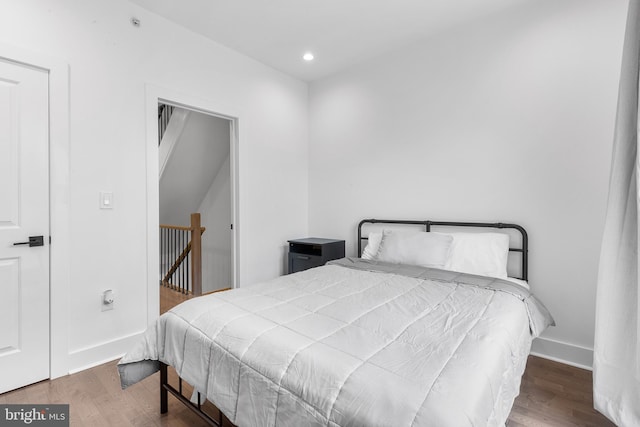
196 173
194 177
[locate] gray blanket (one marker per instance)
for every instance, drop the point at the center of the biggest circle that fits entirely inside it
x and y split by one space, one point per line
539 316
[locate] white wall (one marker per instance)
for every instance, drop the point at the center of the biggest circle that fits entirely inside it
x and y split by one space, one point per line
199 152
507 119
110 62
215 213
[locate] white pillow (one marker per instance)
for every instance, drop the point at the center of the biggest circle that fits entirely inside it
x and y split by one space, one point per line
484 254
421 248
373 244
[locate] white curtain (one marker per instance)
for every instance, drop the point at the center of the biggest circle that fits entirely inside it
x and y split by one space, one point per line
616 365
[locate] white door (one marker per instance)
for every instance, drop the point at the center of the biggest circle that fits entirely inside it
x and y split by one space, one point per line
24 212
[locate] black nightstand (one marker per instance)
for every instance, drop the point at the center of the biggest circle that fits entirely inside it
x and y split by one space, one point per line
313 252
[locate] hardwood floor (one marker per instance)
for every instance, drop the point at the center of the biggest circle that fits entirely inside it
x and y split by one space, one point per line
170 298
555 394
95 399
551 394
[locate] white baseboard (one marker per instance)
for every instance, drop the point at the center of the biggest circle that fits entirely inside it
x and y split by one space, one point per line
569 354
88 357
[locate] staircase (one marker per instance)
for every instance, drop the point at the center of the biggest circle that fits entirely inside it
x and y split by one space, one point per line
164 115
181 257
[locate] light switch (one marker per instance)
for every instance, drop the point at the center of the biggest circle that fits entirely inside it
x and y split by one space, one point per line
106 200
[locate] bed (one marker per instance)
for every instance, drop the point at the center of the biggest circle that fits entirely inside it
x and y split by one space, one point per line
365 341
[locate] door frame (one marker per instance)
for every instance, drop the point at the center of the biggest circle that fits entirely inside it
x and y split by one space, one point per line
59 213
153 96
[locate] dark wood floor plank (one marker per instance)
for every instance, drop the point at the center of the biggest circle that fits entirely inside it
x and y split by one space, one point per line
554 394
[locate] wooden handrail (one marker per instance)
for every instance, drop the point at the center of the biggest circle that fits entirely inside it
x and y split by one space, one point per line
177 263
194 246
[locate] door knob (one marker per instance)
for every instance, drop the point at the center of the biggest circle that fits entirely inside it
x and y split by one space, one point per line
33 241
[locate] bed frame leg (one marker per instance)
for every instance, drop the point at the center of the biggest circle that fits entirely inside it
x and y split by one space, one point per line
166 388
164 395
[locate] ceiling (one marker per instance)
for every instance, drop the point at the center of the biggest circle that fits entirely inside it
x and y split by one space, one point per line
340 33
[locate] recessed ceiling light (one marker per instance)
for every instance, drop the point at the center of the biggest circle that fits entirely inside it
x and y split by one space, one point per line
308 56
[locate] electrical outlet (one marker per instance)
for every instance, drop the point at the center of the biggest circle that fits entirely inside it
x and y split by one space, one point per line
107 299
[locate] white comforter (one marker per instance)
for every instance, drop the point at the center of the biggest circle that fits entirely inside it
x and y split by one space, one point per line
340 346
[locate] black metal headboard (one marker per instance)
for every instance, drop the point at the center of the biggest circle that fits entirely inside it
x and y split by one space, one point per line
523 249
